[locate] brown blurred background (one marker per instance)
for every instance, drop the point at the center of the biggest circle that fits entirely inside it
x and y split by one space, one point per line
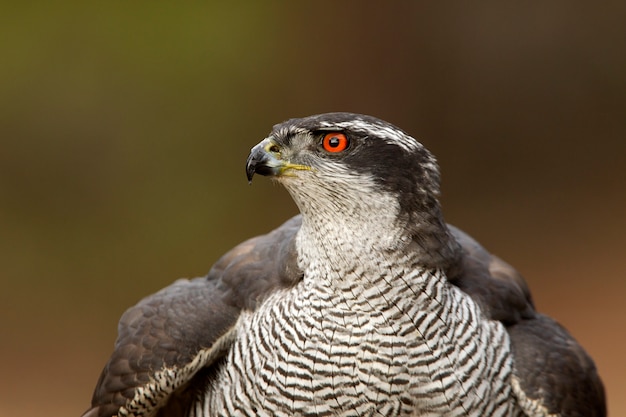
124 130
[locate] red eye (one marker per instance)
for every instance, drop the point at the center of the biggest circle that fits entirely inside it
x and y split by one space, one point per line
335 142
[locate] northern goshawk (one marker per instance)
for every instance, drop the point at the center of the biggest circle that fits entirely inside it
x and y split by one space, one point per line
366 304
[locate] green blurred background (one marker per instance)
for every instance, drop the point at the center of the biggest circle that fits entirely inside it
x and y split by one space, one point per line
124 129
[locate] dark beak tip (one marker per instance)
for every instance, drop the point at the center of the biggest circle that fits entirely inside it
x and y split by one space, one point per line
260 162
251 165
249 172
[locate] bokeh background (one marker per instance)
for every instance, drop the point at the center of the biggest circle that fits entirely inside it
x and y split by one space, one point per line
124 130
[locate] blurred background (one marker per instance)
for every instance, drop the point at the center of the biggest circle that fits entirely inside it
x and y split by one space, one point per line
124 129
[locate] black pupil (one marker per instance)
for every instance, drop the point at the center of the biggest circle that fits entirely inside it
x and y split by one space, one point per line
333 142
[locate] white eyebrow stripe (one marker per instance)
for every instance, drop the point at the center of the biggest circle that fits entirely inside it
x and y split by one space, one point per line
387 133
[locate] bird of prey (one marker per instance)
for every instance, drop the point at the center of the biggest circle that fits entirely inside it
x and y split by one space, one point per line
365 304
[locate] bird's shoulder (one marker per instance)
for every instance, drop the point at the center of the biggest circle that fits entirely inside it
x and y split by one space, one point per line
553 373
497 287
173 336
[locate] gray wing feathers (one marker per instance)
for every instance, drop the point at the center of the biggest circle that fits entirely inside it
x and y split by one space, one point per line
553 368
170 336
165 330
258 266
553 374
496 286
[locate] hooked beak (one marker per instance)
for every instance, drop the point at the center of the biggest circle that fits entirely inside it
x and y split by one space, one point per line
265 159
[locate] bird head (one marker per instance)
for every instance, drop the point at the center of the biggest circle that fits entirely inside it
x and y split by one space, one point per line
354 173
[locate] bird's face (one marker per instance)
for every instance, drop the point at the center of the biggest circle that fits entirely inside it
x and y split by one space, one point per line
343 160
361 184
